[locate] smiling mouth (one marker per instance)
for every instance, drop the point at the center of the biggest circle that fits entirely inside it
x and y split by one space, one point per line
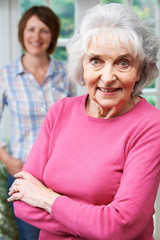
36 44
108 90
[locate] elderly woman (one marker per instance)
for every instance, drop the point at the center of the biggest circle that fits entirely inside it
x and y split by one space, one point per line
93 172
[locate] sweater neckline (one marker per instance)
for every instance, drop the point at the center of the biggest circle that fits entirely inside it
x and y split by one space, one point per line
104 120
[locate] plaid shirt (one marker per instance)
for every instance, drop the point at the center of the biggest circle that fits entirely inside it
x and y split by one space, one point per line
29 102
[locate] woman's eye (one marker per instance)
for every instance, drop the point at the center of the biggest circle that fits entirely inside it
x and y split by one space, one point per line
123 63
95 61
30 29
45 31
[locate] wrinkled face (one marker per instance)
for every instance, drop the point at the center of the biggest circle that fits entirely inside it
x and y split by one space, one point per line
110 78
37 36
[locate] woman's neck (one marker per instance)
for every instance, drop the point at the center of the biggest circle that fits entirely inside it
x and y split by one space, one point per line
95 110
33 63
37 65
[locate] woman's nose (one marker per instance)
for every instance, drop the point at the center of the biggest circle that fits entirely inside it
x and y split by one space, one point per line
108 74
36 35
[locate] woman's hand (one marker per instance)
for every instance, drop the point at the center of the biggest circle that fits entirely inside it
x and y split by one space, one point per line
31 191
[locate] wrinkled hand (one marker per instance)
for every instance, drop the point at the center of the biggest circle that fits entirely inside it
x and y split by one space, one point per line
14 165
31 191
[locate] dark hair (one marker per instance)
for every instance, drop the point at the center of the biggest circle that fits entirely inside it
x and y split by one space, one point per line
47 16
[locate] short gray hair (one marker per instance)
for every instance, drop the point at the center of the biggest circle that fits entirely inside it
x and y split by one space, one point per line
121 24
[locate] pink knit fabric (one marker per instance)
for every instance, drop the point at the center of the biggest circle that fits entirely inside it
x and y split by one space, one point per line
107 170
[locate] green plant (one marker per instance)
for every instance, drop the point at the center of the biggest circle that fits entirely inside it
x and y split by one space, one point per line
8 228
151 99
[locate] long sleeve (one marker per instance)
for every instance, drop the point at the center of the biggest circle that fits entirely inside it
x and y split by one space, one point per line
36 163
108 176
129 214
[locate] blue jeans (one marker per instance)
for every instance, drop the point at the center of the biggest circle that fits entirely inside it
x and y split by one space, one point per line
25 230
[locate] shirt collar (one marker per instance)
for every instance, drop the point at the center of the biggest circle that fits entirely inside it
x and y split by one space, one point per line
18 66
20 69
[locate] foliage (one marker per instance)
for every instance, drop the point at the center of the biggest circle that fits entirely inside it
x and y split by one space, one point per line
8 228
150 99
60 53
25 4
65 12
145 9
152 84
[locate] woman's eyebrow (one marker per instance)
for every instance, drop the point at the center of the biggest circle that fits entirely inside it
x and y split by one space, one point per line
96 55
125 55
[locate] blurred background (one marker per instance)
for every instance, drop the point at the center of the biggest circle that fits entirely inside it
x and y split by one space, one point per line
70 13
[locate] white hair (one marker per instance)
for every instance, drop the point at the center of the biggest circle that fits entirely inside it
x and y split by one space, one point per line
121 25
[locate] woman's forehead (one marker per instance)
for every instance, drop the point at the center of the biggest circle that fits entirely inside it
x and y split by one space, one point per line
99 49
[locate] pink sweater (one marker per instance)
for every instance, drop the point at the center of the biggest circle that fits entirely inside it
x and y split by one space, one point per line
108 171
